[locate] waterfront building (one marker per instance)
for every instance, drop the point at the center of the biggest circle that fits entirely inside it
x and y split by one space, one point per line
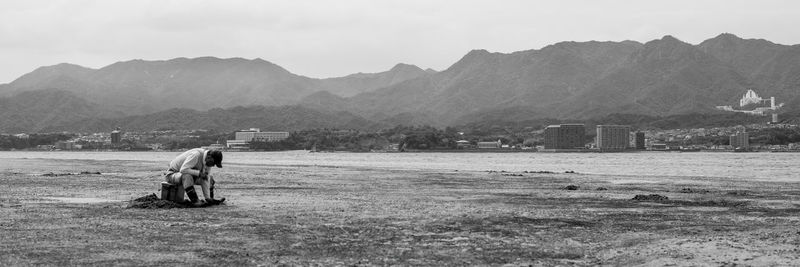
389 147
462 144
270 136
613 137
116 136
244 137
488 145
65 145
237 144
255 134
639 141
564 137
740 140
659 147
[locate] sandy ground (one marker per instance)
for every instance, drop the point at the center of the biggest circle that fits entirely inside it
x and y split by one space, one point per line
313 215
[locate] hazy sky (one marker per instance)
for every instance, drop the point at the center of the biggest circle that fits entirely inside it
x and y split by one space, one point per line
330 38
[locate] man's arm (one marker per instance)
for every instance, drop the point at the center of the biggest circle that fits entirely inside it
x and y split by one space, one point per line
189 163
204 186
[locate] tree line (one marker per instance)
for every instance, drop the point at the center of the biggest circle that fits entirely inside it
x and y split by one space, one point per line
403 137
33 140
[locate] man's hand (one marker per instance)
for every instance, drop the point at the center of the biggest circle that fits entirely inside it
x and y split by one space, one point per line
212 201
203 175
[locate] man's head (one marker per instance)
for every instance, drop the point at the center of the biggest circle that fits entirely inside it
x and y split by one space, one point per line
214 158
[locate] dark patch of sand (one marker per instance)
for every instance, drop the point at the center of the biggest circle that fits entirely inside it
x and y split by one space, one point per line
650 197
153 202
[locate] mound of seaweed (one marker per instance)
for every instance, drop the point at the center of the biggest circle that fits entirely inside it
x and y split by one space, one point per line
153 202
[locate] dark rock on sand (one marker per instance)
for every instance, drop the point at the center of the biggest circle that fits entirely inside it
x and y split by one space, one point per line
695 191
571 187
651 197
51 174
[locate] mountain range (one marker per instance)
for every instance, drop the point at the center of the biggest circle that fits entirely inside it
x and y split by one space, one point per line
566 80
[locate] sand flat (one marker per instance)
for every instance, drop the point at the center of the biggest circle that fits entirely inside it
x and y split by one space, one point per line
328 215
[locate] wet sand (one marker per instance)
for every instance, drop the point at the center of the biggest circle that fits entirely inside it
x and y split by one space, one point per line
52 214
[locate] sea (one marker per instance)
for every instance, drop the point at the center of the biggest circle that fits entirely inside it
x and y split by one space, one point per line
746 166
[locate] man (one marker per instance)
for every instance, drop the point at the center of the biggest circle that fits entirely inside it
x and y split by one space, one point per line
191 168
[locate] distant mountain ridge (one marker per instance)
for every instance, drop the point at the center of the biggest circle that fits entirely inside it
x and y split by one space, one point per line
364 82
771 68
283 118
37 111
566 80
141 87
580 80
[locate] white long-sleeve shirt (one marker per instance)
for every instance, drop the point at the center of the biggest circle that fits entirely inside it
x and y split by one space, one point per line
191 162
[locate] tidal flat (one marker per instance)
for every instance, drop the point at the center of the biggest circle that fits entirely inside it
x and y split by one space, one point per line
75 212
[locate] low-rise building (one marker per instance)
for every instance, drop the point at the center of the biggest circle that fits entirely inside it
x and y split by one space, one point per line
462 144
65 145
659 147
245 137
489 145
238 144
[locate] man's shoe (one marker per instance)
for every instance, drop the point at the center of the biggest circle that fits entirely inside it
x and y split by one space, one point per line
195 201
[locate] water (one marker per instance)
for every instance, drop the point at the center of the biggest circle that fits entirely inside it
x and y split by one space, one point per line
749 166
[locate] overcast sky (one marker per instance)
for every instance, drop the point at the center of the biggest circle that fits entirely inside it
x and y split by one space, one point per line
329 38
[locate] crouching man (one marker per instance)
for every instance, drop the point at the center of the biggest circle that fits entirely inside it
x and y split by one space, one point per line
192 168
